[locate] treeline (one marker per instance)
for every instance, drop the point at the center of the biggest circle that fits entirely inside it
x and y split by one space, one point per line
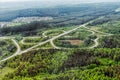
25 29
110 42
71 11
62 16
107 18
99 21
112 27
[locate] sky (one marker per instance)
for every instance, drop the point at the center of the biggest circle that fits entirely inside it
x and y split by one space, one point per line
61 1
22 4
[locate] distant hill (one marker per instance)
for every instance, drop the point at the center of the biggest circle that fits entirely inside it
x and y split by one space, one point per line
56 11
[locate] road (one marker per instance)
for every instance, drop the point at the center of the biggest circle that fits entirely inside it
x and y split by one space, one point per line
22 41
50 40
2 25
19 52
95 40
15 54
54 46
89 30
84 26
39 44
6 37
44 34
96 43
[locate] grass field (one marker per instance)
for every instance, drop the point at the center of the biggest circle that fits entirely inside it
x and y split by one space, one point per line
5 71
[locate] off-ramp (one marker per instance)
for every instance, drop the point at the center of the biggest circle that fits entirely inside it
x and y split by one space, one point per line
18 52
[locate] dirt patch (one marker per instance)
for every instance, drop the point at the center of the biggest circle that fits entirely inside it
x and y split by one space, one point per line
74 42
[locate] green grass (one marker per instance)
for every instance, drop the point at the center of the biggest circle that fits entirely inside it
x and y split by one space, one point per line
58 59
45 46
80 34
29 42
15 24
5 71
43 76
25 46
52 33
112 27
34 40
106 61
7 48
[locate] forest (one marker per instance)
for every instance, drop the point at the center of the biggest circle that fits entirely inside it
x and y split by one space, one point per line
62 16
95 64
80 42
25 29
